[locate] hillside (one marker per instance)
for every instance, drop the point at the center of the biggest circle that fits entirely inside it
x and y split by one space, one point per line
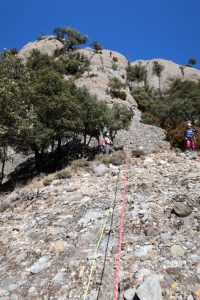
49 233
50 226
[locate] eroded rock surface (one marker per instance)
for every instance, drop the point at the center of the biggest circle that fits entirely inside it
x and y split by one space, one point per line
48 238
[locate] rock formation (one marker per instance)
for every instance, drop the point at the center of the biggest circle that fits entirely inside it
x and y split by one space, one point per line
171 72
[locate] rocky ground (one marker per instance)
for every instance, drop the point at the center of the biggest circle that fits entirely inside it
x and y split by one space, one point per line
49 233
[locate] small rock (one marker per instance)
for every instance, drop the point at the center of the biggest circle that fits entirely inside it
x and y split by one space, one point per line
100 170
58 246
13 287
181 210
173 271
58 278
93 295
129 294
143 251
151 231
39 265
190 297
150 289
32 290
90 215
177 250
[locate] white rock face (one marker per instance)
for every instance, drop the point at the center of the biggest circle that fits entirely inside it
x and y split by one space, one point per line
171 72
47 45
101 71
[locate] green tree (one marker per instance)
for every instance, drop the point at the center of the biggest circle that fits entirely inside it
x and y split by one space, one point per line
157 70
137 73
70 37
97 46
119 117
191 62
73 64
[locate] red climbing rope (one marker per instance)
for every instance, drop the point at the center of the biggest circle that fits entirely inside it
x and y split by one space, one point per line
121 233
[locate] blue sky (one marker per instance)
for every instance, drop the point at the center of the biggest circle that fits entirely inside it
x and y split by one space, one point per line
139 29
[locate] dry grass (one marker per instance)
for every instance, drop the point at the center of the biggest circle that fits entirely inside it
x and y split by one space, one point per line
137 153
117 158
63 174
80 164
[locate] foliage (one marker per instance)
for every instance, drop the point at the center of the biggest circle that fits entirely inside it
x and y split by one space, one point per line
114 67
115 59
118 94
171 111
64 174
137 73
119 118
70 37
117 158
80 164
97 46
191 62
137 153
157 70
73 64
115 86
38 108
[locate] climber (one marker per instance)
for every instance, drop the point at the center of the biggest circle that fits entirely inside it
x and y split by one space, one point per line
190 138
106 144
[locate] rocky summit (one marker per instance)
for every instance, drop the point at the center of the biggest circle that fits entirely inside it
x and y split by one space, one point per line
49 233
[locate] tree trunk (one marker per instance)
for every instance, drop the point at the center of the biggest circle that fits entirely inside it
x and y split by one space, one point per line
3 164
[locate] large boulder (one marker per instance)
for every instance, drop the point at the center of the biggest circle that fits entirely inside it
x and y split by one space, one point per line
47 45
171 72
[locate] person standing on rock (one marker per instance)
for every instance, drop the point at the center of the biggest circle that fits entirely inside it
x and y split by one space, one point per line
190 138
108 144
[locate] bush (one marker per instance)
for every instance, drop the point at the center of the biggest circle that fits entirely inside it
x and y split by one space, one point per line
118 94
137 153
116 84
63 174
47 181
115 67
80 164
117 158
115 59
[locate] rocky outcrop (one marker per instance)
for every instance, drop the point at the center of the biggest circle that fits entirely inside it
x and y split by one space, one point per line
139 135
171 72
101 72
49 233
47 45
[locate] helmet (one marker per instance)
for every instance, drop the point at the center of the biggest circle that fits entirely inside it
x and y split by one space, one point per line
189 124
107 134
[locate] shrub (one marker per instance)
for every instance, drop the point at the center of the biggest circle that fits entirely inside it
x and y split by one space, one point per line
63 174
118 94
80 164
47 181
115 59
117 158
116 84
97 46
137 153
115 67
136 73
